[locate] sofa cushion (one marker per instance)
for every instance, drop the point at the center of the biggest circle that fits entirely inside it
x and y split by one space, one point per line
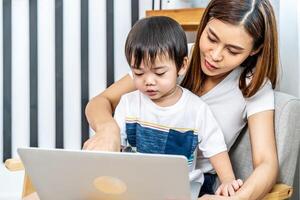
287 130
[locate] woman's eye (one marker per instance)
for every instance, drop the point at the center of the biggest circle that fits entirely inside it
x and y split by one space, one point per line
211 39
232 52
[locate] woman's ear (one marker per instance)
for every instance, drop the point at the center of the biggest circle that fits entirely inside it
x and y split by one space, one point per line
184 67
256 51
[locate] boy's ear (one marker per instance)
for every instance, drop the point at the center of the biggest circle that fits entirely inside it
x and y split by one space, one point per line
184 67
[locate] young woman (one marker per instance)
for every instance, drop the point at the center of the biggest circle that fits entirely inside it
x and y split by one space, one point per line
233 68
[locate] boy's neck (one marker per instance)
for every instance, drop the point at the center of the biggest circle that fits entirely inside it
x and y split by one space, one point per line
170 98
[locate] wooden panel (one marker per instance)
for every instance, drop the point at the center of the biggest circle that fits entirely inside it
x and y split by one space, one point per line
279 192
188 18
27 186
14 164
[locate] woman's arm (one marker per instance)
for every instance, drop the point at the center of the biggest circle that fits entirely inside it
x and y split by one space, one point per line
264 156
99 115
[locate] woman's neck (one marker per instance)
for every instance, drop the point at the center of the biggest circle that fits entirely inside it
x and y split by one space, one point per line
211 82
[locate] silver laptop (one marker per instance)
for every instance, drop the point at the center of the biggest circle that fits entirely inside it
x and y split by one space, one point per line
87 175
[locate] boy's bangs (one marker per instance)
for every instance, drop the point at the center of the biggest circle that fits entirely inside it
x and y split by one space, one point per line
148 56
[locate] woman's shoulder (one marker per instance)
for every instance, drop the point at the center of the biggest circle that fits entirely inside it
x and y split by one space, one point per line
262 100
236 74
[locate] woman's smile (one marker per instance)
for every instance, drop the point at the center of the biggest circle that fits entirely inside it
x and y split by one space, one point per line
209 66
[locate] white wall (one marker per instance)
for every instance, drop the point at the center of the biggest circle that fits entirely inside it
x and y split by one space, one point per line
289 47
122 25
97 53
46 73
20 74
297 175
72 74
72 64
1 82
146 5
299 43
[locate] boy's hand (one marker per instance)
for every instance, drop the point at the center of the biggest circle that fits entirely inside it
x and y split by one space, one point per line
229 188
217 197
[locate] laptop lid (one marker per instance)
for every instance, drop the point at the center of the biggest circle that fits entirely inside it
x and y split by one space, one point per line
73 174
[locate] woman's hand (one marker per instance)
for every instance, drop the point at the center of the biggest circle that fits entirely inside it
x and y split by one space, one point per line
216 197
99 115
229 188
106 138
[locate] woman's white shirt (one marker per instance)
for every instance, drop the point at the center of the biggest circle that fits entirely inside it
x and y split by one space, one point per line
231 109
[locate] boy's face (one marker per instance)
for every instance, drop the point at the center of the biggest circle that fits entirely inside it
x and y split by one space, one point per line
157 81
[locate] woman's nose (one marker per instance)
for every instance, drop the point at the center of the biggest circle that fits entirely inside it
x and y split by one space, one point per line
216 54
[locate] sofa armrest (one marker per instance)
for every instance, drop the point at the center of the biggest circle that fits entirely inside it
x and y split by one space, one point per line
14 164
279 192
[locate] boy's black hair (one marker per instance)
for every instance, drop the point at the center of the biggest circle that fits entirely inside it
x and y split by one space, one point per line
156 36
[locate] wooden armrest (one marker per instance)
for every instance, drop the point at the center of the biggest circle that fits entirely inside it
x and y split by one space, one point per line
279 191
17 165
14 164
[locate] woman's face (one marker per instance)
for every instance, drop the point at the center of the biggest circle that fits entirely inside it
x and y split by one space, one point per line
223 47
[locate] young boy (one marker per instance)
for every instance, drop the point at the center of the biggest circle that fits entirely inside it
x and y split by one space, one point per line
162 117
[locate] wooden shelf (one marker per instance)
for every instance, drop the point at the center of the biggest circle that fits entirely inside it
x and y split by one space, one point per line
188 18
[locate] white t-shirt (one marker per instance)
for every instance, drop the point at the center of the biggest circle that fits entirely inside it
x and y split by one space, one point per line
178 129
231 109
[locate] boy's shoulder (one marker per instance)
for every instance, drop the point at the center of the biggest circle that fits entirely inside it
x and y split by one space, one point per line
191 100
193 97
194 103
134 99
131 95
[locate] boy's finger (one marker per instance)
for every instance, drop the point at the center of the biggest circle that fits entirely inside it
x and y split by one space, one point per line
231 191
235 185
86 144
225 191
240 182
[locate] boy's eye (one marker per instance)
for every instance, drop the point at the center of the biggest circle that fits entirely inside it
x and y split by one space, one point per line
138 74
160 74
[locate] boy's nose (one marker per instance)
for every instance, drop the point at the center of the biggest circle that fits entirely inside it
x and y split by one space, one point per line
149 80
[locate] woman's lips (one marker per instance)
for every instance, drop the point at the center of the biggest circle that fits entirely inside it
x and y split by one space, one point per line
209 66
